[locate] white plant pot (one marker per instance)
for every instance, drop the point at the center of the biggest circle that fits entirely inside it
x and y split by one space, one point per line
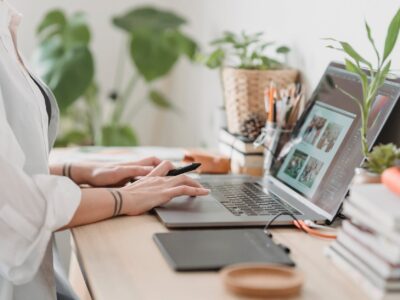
363 176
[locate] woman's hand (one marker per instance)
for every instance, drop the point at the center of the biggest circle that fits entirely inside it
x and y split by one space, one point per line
102 175
136 198
156 189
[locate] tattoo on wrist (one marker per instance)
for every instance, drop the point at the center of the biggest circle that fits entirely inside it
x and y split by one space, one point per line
66 171
118 201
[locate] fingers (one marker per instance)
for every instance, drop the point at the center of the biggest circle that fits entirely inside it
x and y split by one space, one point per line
185 190
134 171
185 180
148 161
162 169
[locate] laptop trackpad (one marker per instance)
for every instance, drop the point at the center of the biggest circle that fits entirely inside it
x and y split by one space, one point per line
193 204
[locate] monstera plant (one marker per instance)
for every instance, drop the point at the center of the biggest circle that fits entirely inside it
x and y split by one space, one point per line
65 61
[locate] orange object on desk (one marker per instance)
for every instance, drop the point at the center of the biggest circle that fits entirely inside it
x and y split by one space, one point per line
391 179
210 163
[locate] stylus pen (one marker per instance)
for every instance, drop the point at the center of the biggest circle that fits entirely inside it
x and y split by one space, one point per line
182 170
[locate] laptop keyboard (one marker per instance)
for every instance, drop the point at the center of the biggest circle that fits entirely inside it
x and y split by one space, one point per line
248 199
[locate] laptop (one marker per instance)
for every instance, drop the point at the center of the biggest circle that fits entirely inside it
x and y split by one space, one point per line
309 178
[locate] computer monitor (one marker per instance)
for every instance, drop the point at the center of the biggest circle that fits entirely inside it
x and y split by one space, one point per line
326 144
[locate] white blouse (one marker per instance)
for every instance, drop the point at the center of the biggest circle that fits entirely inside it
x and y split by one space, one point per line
33 204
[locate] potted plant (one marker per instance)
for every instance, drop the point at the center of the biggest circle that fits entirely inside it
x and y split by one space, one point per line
381 157
372 77
246 71
154 43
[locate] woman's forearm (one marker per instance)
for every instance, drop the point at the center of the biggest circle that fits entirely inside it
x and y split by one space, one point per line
56 169
96 204
76 172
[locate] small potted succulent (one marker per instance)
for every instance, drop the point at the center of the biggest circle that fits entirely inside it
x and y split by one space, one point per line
381 158
246 71
372 77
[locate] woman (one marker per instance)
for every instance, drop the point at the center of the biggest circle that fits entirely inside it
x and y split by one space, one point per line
35 199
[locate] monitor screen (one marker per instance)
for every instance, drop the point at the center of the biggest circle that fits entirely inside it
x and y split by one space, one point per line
325 147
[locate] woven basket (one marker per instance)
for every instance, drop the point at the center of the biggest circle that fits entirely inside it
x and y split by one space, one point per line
244 92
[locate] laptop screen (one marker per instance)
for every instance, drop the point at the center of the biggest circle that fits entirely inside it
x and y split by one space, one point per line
325 147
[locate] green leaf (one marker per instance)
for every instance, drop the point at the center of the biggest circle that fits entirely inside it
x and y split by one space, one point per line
154 54
53 23
185 44
350 66
283 50
69 75
52 18
353 53
119 135
391 36
148 19
159 100
77 31
371 40
63 59
216 59
381 157
383 74
227 38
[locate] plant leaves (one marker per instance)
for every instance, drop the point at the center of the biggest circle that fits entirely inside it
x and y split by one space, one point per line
350 66
283 49
53 17
148 19
353 53
77 31
63 58
119 135
216 59
154 54
381 157
391 36
69 75
159 100
227 38
185 44
383 74
371 40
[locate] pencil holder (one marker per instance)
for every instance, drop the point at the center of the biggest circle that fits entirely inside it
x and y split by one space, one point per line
244 92
273 138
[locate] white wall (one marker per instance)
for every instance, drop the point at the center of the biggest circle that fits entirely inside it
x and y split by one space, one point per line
300 24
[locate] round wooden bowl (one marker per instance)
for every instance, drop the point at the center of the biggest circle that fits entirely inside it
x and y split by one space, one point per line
262 280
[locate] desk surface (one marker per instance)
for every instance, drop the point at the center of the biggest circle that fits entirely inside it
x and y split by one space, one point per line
121 261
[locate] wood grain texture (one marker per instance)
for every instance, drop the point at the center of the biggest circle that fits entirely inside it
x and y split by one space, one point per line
121 261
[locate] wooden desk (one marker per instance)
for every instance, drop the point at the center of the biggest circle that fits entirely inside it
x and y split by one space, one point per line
121 261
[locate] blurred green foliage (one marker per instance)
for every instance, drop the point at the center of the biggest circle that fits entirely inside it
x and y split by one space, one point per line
65 61
243 51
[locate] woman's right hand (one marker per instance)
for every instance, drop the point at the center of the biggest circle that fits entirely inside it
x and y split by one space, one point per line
157 189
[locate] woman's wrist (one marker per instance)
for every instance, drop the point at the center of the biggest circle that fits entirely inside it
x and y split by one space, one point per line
97 204
76 172
118 202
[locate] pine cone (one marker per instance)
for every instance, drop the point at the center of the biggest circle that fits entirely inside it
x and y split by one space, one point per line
251 127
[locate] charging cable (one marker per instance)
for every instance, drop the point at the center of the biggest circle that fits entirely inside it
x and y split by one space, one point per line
306 226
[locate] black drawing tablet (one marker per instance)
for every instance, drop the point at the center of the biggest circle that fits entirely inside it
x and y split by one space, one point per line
203 250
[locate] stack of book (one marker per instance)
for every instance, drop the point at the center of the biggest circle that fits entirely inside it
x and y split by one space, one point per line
368 245
245 157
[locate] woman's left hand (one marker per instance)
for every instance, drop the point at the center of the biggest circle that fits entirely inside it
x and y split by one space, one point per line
111 174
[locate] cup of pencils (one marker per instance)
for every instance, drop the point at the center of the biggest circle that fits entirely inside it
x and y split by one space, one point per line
283 107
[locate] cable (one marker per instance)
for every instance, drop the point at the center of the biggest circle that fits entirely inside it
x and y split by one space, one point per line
300 225
277 216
